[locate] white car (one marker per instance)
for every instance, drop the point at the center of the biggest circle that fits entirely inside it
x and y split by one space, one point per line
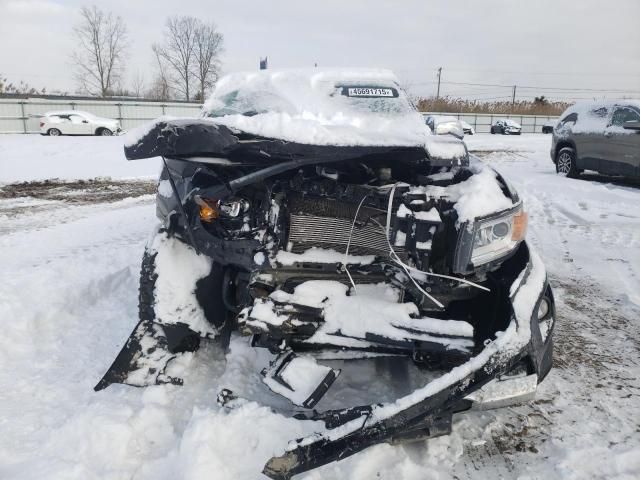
443 124
75 122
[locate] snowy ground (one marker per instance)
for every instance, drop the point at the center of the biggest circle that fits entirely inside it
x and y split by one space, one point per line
70 256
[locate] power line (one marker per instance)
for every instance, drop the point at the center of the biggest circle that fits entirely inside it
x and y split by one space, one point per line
531 72
558 89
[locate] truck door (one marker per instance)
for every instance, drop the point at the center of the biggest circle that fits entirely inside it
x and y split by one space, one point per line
620 152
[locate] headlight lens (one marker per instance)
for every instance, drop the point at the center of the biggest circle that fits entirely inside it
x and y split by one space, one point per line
494 238
210 210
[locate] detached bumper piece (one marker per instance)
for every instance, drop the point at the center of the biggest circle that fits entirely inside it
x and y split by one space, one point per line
506 370
300 379
148 352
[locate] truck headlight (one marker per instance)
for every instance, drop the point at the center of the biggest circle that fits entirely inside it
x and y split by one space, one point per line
496 237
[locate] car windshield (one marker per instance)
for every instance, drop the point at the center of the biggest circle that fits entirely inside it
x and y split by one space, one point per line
351 107
344 99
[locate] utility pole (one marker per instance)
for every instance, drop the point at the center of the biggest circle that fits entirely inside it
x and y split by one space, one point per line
513 99
439 75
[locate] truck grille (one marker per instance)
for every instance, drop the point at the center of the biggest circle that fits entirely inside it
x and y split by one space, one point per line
326 223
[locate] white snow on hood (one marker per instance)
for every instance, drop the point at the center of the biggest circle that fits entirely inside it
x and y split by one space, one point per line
309 107
479 195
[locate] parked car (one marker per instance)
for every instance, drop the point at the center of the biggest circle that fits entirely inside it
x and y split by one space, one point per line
603 137
548 127
312 213
466 128
444 124
76 122
506 126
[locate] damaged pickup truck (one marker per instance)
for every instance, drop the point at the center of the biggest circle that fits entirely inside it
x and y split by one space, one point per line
313 216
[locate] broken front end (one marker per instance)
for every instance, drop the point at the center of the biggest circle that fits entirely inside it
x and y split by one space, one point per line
328 257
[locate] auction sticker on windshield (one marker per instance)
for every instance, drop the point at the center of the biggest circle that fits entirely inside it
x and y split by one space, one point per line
370 92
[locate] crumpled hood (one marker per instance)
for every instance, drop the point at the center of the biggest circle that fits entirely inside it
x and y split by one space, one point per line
195 139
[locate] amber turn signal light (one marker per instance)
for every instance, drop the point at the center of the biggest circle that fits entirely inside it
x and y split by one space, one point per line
520 221
208 210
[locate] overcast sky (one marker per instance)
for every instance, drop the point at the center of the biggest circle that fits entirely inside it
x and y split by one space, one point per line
551 44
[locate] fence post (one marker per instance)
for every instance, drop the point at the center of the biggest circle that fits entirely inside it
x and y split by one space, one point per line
73 105
163 105
24 117
120 113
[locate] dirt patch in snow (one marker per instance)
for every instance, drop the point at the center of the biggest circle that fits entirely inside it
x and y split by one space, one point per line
80 191
584 314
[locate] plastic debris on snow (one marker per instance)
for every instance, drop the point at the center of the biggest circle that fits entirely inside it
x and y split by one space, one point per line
303 375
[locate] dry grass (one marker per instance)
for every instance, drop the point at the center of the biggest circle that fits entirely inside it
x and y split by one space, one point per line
522 107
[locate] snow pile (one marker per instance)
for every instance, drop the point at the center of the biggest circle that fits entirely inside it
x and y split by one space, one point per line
179 268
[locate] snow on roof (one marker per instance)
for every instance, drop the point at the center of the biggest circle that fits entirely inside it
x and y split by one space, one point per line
316 106
588 105
60 112
593 116
69 112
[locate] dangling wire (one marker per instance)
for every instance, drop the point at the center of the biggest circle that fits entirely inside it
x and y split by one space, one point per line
394 256
346 252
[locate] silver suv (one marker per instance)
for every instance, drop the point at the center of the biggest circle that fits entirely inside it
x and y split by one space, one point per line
604 137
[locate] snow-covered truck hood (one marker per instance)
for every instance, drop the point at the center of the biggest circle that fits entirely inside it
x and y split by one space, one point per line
313 108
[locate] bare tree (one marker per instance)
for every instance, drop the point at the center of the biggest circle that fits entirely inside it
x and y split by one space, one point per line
160 88
137 84
207 52
178 51
102 46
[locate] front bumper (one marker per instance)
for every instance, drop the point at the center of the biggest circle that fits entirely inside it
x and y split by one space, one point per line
428 411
